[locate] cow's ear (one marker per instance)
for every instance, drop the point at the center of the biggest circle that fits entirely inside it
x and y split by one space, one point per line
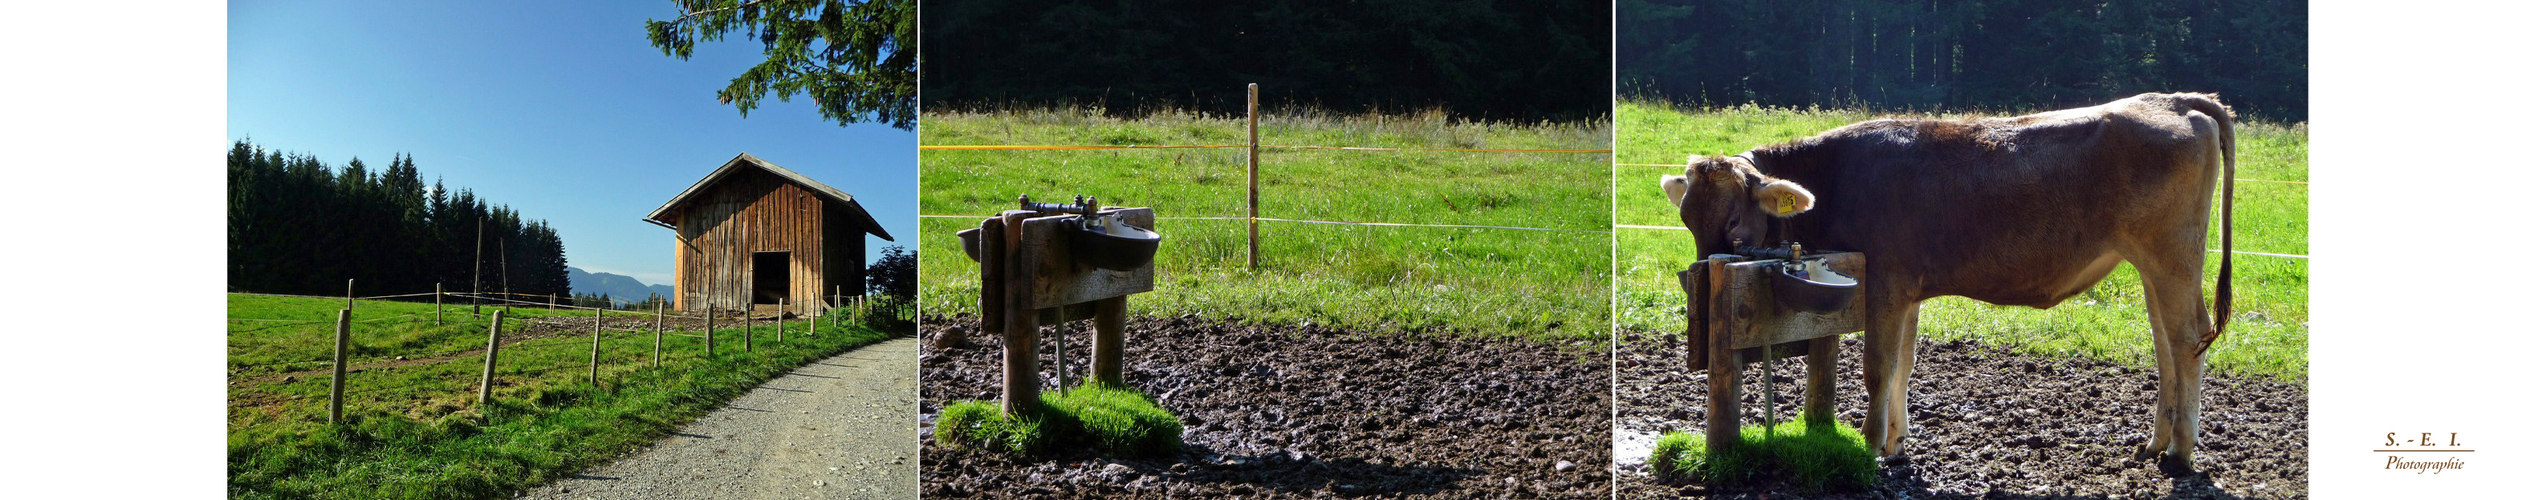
1676 185
1782 198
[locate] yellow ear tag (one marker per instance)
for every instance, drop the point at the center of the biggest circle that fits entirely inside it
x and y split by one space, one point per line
1784 203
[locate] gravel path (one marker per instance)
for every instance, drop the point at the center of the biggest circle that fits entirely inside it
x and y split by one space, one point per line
841 427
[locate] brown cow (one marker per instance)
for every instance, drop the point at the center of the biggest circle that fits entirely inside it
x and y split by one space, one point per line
2026 210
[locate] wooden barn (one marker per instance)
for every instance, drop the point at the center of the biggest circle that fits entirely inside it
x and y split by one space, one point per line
754 233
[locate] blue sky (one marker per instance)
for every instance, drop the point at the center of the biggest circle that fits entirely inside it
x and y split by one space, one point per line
563 112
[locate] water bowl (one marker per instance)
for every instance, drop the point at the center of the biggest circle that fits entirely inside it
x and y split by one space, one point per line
1111 244
973 241
1809 286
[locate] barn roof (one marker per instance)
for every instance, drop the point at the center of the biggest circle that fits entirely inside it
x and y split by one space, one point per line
745 160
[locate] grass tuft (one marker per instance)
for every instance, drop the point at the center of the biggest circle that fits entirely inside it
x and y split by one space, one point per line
1817 459
1110 420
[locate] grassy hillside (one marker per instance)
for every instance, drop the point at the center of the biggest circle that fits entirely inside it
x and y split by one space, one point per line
1530 284
2270 330
412 428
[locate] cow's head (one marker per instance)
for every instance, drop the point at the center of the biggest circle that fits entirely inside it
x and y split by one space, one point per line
1726 199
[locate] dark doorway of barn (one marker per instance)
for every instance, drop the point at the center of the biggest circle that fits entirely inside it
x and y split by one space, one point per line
772 277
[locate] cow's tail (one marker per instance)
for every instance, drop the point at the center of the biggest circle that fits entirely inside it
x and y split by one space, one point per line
2222 278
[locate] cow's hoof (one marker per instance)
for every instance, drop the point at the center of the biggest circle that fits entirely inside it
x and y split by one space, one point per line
2145 452
2177 465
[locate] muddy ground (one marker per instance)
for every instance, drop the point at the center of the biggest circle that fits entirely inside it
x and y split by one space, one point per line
1280 411
1989 423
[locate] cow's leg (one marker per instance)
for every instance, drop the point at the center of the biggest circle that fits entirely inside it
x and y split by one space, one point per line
1905 351
2173 272
1888 356
2177 309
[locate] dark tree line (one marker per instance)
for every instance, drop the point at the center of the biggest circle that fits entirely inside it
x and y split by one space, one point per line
2013 55
1500 60
299 226
894 273
647 302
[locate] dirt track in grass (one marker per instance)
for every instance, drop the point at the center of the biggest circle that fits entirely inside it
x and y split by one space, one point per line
1285 411
1989 423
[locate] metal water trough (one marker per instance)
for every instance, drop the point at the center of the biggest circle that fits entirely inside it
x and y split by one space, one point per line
1053 263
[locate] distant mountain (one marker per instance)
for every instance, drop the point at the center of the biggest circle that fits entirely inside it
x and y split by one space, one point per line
624 289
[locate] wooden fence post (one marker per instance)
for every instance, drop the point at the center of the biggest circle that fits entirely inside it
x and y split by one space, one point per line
596 339
746 316
342 346
438 311
477 298
659 329
779 305
1251 176
710 321
507 299
347 297
491 356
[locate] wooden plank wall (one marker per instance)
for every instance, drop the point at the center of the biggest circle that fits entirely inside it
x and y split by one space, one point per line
750 211
846 263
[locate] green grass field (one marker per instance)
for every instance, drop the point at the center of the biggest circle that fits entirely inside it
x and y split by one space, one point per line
414 430
1546 285
2270 332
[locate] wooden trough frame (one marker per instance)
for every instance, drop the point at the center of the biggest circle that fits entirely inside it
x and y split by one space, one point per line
1030 279
1734 320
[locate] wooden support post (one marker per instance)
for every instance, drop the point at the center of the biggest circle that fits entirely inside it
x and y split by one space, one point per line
342 347
1019 336
438 311
491 357
1820 407
347 296
746 316
596 339
779 306
992 265
1106 349
659 329
1721 418
710 321
1251 176
552 300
